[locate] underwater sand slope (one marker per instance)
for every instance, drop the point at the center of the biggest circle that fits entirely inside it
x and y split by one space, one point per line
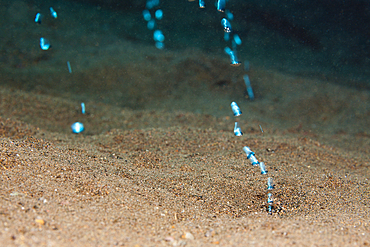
175 185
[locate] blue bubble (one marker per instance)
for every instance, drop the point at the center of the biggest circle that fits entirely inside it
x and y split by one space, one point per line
235 108
69 67
221 5
83 110
146 14
77 127
270 184
158 36
270 198
53 13
159 14
237 39
151 24
226 36
227 50
250 156
202 5
151 4
248 152
226 25
159 45
263 168
249 87
38 18
233 58
44 44
234 61
237 130
229 15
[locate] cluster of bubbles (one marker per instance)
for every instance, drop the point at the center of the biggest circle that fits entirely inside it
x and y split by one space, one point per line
44 43
158 36
234 39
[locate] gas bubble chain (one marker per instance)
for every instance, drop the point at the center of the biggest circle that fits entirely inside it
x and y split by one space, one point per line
235 41
252 158
158 36
232 52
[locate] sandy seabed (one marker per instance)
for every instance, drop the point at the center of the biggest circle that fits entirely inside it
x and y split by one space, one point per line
158 163
185 183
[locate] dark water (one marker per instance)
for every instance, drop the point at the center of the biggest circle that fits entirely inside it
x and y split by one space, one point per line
309 38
